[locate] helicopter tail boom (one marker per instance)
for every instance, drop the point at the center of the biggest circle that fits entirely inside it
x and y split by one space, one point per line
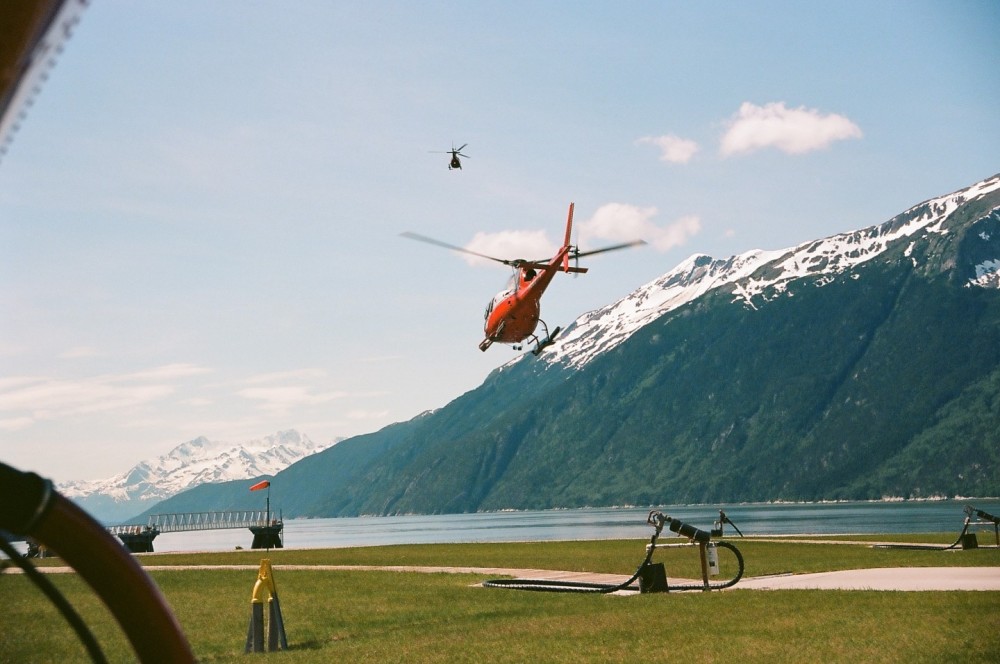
569 237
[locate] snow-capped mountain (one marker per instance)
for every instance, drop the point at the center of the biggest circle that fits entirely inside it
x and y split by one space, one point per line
765 274
195 462
855 367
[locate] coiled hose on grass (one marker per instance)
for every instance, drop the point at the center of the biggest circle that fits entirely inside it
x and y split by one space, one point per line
657 520
969 512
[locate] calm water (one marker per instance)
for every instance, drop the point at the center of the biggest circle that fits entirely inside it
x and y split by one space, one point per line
759 519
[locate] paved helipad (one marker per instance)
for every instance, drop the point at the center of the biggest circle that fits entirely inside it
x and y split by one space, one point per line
889 578
885 578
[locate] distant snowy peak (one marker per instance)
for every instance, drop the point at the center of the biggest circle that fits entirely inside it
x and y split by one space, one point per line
199 461
764 273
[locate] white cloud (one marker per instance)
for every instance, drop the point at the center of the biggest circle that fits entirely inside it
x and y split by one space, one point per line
25 400
16 423
12 382
166 372
620 222
48 398
284 397
611 224
79 352
377 359
367 414
673 149
197 402
791 130
282 376
531 245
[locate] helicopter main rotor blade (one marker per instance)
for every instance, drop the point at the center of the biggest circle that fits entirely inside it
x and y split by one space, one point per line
616 247
462 148
439 243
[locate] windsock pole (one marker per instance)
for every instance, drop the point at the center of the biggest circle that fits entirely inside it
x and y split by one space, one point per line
266 534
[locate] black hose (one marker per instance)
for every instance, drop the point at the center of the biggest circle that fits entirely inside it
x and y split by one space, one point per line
927 547
29 506
657 520
719 586
961 536
61 603
726 519
582 586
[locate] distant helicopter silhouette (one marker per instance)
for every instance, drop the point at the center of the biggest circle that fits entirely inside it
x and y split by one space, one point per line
455 154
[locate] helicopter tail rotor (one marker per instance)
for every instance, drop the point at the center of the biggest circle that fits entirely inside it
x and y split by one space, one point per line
569 237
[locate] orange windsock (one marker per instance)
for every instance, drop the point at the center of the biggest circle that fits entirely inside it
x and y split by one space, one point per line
260 485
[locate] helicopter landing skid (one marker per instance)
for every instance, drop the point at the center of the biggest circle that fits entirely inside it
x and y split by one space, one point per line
484 344
546 342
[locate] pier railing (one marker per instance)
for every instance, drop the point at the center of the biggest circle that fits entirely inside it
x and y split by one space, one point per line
183 522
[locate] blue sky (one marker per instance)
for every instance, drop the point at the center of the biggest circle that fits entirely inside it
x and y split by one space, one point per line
200 214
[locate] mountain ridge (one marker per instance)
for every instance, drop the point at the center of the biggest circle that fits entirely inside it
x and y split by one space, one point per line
753 272
861 366
192 463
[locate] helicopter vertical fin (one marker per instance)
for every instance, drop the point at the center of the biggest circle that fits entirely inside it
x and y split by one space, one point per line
569 236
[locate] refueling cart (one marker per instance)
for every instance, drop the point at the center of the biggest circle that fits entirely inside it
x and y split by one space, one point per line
975 518
651 577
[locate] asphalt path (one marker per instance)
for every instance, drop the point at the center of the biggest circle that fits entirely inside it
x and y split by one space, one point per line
907 579
884 578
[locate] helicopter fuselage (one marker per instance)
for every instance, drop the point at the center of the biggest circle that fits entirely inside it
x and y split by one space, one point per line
513 314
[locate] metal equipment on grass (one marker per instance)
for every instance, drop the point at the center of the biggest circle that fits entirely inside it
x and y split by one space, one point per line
652 577
983 519
717 529
974 518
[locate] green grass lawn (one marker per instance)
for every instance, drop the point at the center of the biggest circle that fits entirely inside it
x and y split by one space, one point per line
361 616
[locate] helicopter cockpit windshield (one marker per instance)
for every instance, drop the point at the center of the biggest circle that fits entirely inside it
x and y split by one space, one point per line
497 299
502 295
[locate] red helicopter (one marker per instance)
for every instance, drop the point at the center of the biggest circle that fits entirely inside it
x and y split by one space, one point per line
513 313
